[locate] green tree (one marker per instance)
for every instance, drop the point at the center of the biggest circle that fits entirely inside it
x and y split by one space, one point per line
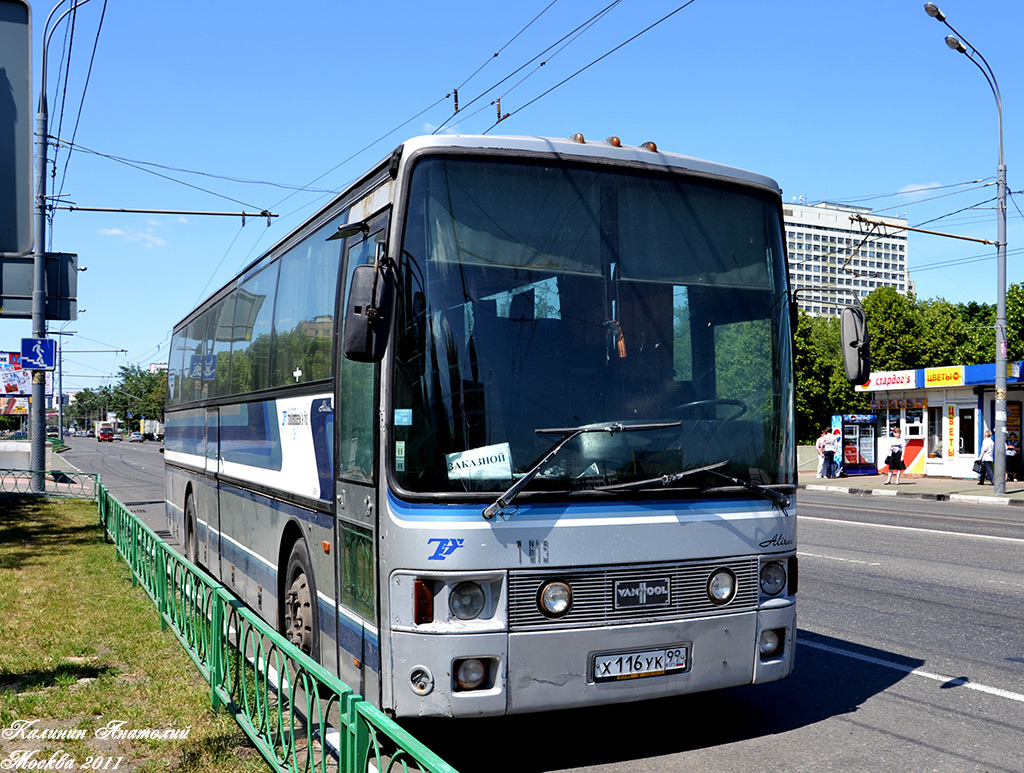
979 344
89 405
898 338
1015 322
946 332
138 393
812 368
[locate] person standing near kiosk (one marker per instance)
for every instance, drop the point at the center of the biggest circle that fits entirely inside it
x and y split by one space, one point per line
894 461
988 448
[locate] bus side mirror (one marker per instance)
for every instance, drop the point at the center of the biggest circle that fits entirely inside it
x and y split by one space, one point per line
368 313
853 327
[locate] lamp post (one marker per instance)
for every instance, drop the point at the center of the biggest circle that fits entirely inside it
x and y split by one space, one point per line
37 417
959 43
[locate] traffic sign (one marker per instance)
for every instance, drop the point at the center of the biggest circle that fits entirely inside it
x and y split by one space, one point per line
16 181
38 353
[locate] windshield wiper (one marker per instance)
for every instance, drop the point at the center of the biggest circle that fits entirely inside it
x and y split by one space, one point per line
778 498
570 433
664 480
712 469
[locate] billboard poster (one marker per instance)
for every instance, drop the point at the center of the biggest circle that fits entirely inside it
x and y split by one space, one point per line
15 382
13 406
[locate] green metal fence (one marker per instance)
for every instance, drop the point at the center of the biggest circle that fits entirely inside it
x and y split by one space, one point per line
300 717
53 483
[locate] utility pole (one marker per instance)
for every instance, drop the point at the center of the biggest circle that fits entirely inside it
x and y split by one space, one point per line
37 414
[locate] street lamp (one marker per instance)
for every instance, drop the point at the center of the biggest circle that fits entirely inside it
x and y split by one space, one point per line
959 43
37 416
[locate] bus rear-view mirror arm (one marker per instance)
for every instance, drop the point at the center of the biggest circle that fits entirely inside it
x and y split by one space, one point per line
853 335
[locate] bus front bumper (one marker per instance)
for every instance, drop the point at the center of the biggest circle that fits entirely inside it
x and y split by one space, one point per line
545 670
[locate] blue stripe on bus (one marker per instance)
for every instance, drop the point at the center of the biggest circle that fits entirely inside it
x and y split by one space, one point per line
249 434
403 510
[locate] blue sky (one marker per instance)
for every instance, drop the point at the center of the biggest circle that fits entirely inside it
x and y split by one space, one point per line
856 102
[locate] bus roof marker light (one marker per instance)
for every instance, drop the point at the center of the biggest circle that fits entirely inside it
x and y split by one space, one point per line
651 146
577 137
614 141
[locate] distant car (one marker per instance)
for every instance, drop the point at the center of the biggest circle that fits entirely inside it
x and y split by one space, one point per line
136 437
105 433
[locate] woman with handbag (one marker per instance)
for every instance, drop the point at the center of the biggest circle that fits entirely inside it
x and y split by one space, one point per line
894 461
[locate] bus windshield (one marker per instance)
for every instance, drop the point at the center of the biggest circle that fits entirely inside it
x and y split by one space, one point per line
537 295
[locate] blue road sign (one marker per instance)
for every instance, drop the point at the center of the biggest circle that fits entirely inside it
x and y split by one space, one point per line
38 353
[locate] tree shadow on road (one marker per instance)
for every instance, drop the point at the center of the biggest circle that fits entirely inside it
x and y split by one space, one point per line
826 683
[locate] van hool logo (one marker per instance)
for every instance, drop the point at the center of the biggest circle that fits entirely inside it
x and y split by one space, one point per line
643 593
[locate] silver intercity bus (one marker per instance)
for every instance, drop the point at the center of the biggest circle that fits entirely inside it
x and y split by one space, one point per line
506 427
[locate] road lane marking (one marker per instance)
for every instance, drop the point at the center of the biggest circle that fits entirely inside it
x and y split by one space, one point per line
950 680
837 558
912 528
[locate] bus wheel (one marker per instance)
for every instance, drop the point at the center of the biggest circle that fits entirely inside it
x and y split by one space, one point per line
191 550
301 621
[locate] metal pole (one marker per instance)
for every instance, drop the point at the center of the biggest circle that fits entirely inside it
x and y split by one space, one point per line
60 389
999 467
999 425
37 414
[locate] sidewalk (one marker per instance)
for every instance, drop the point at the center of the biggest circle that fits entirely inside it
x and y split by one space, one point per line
919 486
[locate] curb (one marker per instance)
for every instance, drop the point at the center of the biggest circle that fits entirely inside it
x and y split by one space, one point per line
967 498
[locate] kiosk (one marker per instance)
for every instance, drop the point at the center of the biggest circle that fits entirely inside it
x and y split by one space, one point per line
943 413
857 435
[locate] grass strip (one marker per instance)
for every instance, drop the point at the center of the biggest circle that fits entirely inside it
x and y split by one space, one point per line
85 670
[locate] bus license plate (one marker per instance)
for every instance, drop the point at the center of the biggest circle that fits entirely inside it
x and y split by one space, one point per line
633 665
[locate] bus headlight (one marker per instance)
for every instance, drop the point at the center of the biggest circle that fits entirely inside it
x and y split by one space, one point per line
555 598
467 600
722 586
773 578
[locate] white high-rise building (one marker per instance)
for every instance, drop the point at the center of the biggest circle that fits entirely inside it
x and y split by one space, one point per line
833 257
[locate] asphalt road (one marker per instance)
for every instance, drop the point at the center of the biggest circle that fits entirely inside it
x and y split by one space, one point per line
910 654
133 472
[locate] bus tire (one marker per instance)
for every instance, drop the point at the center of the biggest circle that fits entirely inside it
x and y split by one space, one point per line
191 548
301 616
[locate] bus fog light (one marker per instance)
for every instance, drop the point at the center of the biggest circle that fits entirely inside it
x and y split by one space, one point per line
722 586
771 643
470 673
466 600
555 598
773 578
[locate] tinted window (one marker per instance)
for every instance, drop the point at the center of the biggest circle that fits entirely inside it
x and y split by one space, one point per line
253 324
194 349
304 317
220 333
174 366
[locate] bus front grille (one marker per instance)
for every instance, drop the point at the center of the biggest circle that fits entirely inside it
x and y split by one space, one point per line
594 593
